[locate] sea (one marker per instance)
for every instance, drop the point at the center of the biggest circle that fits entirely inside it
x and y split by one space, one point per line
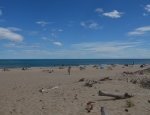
18 63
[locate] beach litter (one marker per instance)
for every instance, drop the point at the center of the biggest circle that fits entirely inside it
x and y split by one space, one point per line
56 87
42 90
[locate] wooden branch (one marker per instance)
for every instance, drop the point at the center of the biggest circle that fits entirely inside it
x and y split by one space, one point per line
116 96
103 111
105 78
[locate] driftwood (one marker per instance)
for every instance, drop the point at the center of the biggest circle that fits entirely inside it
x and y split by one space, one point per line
116 96
42 90
128 73
105 78
90 83
89 106
103 111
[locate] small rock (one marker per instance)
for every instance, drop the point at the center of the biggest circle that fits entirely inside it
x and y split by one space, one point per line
126 110
40 100
82 79
88 84
76 96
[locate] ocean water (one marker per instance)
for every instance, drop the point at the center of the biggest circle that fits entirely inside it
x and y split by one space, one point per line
13 63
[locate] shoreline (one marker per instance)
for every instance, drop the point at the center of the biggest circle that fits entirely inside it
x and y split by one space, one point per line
85 65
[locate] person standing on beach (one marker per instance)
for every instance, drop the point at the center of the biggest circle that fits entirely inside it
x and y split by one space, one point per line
69 70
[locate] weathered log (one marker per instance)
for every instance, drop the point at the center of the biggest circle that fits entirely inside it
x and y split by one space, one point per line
105 78
103 111
116 96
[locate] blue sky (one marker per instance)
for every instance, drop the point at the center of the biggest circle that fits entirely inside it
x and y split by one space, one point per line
49 29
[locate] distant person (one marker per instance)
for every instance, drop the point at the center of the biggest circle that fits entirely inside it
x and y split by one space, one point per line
69 70
133 63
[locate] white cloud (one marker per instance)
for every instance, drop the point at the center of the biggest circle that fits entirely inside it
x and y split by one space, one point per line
57 43
99 10
55 32
94 50
42 23
10 45
90 25
105 47
14 29
60 30
22 45
113 14
8 34
140 31
52 41
147 7
72 54
116 49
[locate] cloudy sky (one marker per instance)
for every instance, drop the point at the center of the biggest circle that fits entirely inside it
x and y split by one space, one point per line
74 29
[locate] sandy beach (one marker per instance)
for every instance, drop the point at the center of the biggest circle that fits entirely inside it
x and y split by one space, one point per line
40 91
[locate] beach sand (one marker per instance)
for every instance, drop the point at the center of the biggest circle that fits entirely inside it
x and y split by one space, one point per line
38 92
